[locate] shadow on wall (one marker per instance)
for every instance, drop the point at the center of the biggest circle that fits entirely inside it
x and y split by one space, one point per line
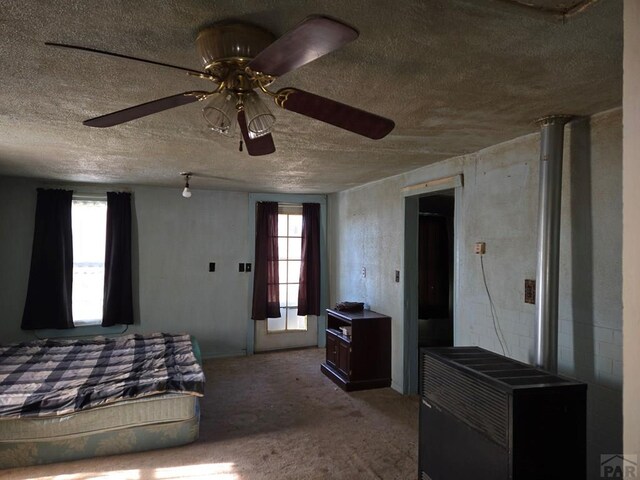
604 403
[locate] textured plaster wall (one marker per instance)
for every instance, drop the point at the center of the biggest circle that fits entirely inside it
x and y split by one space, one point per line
177 240
17 211
174 241
631 215
499 207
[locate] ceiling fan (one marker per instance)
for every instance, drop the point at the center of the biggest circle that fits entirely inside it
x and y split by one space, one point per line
242 59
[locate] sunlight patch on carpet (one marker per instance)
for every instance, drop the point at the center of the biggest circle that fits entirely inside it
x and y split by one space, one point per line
207 471
214 471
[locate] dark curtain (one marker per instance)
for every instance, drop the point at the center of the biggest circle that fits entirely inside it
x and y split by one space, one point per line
48 303
309 290
118 297
266 294
434 259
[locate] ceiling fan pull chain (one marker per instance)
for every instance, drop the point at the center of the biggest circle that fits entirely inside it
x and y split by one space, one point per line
240 149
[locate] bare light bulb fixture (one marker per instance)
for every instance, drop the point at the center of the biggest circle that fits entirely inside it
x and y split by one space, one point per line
186 193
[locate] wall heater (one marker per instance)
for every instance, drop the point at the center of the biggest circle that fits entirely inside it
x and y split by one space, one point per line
487 417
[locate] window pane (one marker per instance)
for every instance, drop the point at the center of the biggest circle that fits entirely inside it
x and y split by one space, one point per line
276 324
293 271
283 294
282 248
282 225
295 225
282 271
296 322
89 229
292 295
295 247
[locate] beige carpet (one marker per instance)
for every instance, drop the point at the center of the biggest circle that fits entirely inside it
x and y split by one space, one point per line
273 416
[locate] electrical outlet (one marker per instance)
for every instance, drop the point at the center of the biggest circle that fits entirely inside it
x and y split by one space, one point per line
241 267
397 276
480 248
364 272
212 266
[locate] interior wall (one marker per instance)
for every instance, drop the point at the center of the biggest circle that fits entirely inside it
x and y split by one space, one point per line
631 215
17 214
174 241
499 207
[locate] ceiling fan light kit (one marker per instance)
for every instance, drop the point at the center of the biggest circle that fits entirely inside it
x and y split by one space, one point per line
242 59
259 118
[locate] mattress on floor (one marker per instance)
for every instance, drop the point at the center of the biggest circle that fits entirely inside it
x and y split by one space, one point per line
133 425
158 421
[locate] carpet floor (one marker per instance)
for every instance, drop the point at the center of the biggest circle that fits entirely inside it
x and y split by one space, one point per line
273 416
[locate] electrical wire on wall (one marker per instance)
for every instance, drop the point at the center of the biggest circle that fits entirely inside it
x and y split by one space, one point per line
494 315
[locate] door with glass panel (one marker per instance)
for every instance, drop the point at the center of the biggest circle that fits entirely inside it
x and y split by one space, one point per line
290 330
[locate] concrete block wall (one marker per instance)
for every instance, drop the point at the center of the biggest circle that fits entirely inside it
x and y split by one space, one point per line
499 208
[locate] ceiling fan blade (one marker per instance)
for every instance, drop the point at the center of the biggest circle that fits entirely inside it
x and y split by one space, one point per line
144 109
314 37
335 113
255 146
119 55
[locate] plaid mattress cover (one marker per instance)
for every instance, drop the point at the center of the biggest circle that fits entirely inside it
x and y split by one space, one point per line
55 377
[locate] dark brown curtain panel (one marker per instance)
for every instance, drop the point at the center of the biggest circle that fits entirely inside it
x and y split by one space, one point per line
433 267
309 290
48 303
118 297
266 293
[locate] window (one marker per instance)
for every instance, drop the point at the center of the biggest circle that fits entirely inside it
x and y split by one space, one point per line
89 228
289 256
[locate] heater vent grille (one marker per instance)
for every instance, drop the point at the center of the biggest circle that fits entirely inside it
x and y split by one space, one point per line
468 399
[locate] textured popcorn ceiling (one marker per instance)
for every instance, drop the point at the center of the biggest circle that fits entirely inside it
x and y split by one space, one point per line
455 76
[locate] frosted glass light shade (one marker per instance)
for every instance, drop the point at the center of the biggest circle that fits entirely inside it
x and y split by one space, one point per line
186 193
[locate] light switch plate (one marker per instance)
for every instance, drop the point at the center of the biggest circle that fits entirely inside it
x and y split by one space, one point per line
530 291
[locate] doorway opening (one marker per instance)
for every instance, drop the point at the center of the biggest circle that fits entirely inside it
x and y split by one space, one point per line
435 269
430 274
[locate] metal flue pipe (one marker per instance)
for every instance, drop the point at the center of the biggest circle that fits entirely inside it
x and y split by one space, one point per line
551 146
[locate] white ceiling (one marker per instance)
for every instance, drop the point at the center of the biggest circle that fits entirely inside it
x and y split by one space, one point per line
455 75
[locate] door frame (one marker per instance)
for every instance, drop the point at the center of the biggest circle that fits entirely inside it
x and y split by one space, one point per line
324 271
412 195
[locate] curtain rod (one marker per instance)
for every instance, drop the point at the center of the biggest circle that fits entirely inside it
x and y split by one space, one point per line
284 204
86 188
77 189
